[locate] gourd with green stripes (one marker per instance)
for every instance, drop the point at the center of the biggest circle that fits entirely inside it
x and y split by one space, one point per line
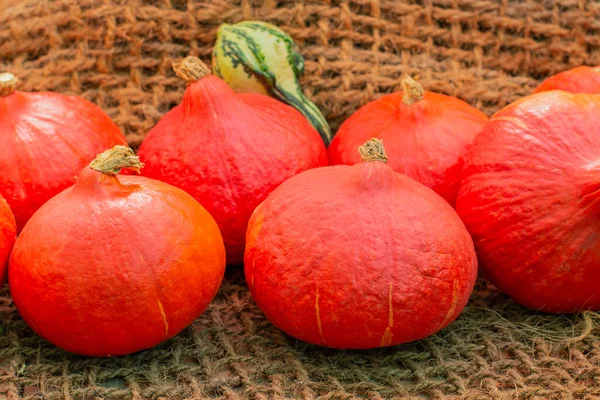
257 57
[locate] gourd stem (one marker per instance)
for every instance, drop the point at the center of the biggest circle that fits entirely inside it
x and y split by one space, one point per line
8 83
373 150
413 91
112 161
191 69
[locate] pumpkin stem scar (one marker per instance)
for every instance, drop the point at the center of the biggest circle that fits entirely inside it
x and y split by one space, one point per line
386 339
190 69
318 313
8 83
373 150
412 90
164 316
112 161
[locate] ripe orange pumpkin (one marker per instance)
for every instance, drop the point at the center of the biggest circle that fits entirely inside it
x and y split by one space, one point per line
358 256
114 265
229 150
426 135
582 79
8 233
529 197
36 129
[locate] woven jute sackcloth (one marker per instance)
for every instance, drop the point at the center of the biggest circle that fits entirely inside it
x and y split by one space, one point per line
118 54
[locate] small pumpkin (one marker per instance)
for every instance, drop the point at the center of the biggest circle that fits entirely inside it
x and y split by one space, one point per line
582 79
258 57
529 197
229 150
113 264
358 256
36 129
426 134
8 233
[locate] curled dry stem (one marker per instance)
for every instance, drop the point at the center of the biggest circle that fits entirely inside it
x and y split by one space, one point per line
191 69
373 150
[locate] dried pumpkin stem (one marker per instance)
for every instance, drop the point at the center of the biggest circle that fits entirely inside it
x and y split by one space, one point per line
112 161
8 83
191 69
373 150
413 91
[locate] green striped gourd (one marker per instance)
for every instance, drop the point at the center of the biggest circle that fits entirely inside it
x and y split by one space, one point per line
257 57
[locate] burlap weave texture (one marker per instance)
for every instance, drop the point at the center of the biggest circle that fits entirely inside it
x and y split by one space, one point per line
118 53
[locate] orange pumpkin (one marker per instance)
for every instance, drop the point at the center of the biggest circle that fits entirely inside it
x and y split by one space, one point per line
38 128
114 265
426 134
358 256
529 197
227 149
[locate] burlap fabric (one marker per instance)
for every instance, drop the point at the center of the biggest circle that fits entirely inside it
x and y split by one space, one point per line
118 54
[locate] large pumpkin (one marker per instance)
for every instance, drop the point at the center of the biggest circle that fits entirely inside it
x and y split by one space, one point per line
114 265
229 150
45 140
8 232
530 198
358 256
426 134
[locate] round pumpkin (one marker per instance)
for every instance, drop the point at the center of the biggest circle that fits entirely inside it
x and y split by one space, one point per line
114 265
582 79
36 129
529 197
358 256
426 134
8 233
229 150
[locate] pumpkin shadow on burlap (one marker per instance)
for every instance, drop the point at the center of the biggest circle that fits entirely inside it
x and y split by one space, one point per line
232 351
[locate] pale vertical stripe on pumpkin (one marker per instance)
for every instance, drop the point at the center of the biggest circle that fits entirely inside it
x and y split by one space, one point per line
386 340
318 314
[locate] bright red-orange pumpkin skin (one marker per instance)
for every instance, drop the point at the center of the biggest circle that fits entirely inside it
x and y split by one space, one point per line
426 140
358 257
116 265
36 129
8 233
529 197
582 79
229 151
